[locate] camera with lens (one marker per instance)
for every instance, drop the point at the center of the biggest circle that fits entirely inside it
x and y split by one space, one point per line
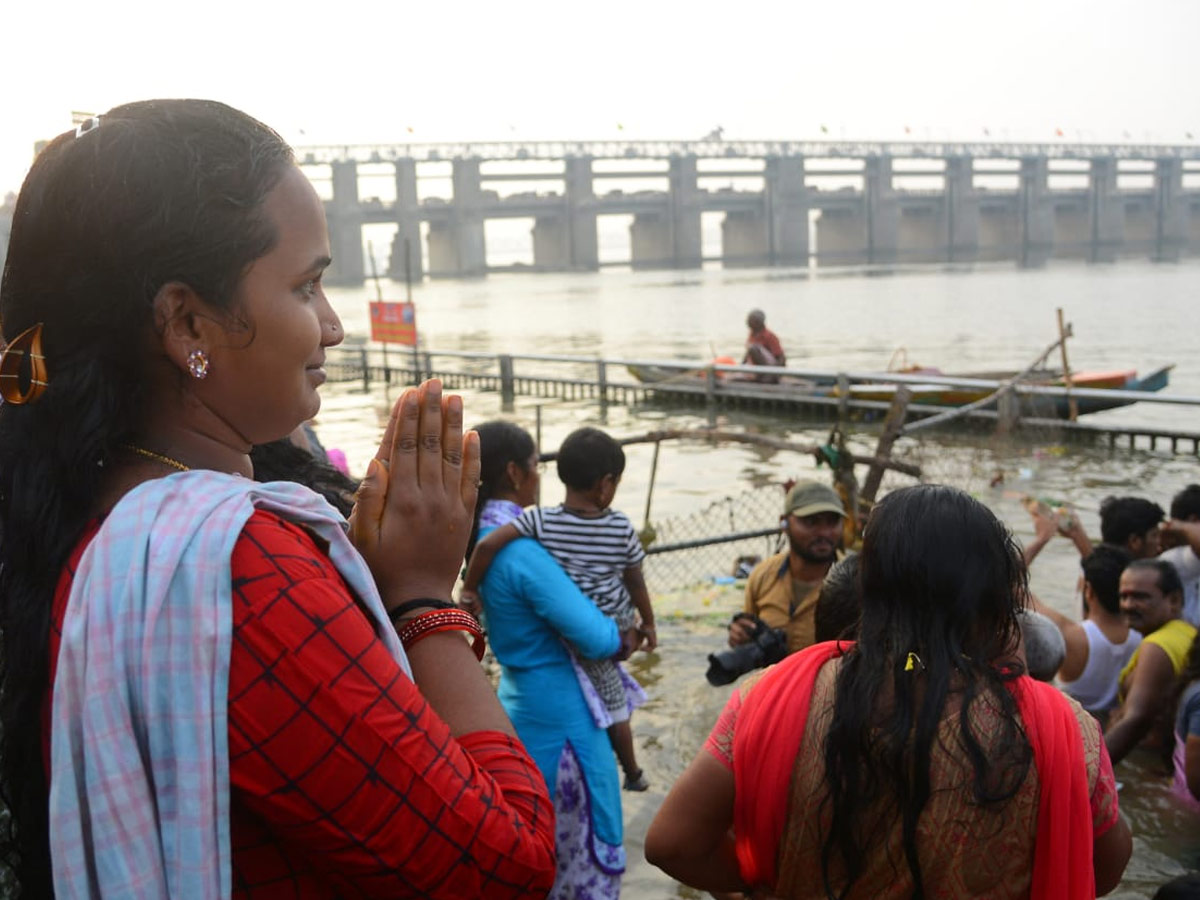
766 647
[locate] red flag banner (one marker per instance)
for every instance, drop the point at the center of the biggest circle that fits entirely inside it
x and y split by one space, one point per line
394 323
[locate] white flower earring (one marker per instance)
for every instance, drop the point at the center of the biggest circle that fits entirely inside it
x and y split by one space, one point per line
197 363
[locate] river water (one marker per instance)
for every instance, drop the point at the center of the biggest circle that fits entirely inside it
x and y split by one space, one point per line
1129 315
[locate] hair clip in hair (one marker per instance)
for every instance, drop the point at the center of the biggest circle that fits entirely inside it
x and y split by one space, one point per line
912 663
25 346
91 123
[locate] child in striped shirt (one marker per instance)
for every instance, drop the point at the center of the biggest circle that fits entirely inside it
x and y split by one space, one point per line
598 547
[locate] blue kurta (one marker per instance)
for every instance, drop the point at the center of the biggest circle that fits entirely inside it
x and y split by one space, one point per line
531 605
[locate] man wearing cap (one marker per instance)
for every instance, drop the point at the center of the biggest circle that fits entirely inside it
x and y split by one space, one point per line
762 346
782 590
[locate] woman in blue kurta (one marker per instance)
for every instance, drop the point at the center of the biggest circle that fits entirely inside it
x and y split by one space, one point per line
533 610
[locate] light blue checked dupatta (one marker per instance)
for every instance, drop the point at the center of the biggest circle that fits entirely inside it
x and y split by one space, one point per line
139 789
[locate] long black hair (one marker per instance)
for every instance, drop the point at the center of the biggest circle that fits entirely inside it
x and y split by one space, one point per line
500 443
942 579
158 191
282 460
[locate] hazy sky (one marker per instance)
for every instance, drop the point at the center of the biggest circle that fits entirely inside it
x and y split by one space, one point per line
371 70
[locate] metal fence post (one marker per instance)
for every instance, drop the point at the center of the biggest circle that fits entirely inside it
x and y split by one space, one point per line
366 369
710 395
507 384
602 382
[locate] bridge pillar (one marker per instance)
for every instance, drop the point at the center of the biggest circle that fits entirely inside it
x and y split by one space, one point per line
1171 211
345 226
468 217
550 244
744 240
443 250
841 237
456 247
787 211
650 244
962 210
684 199
408 221
583 243
882 210
1107 211
1036 212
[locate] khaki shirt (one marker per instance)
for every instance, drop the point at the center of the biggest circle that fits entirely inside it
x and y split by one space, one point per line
769 596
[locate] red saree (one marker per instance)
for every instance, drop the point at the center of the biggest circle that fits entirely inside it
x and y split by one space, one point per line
770 729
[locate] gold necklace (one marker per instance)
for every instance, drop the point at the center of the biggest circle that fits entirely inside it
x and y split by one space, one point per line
157 457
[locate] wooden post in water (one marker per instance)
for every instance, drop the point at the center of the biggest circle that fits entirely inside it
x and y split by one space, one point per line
1064 332
1008 412
710 394
892 429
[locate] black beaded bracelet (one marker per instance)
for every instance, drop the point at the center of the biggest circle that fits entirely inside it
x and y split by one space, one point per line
420 603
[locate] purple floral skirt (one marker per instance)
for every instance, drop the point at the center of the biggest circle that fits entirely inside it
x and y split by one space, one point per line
588 868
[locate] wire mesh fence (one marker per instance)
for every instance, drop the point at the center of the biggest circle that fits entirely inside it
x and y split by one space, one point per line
720 541
716 543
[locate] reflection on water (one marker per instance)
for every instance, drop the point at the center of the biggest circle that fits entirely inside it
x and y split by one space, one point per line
1128 316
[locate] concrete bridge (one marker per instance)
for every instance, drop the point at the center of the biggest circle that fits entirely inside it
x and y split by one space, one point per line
832 203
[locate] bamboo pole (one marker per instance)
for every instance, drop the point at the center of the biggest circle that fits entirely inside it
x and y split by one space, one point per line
650 489
758 440
1064 332
893 427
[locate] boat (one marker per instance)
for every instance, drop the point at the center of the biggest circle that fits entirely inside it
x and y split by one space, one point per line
934 394
1031 404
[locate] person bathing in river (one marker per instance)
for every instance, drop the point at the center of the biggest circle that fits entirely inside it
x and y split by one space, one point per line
918 761
762 346
1180 538
599 549
1185 758
1100 646
1151 602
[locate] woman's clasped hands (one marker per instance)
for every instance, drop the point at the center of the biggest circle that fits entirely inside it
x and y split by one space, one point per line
413 512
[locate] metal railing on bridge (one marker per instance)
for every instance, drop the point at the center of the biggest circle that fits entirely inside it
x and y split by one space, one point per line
733 149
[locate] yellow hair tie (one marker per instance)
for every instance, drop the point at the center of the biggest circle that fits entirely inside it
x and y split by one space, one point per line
912 661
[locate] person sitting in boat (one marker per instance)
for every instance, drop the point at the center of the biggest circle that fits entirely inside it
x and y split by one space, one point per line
762 346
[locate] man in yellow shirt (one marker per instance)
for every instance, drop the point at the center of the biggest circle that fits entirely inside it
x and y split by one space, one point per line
782 590
1151 601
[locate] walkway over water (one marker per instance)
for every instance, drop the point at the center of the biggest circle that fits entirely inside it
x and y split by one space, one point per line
706 386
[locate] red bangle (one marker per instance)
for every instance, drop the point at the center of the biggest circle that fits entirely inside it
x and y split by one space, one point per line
438 620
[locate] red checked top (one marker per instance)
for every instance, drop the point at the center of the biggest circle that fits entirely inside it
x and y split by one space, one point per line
344 782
